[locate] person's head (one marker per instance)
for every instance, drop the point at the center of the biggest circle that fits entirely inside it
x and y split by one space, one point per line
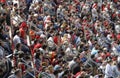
18 46
93 57
3 5
4 15
18 73
20 54
27 58
50 68
37 55
109 60
105 50
76 59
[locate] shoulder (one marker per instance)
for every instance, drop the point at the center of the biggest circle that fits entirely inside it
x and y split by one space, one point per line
12 76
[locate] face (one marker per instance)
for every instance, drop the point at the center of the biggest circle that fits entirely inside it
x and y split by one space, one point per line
78 60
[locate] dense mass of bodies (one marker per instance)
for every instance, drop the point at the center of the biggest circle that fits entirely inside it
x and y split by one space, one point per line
59 38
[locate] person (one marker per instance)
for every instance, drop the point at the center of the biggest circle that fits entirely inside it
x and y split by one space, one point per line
74 65
108 69
5 64
16 38
116 70
37 60
85 29
16 74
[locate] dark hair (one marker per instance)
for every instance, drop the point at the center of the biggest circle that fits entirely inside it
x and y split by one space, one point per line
27 57
92 56
17 32
65 72
37 55
44 46
3 5
21 55
17 46
75 58
15 5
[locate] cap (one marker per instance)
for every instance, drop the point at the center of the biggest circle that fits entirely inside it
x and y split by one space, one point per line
57 67
23 25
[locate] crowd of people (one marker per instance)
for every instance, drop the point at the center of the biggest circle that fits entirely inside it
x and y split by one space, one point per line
59 38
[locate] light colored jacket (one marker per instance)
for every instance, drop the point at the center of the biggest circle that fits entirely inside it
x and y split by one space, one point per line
108 71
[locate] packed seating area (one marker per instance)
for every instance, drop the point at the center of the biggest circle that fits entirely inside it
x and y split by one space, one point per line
59 38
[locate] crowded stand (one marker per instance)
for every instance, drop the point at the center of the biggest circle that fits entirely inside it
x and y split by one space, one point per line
59 38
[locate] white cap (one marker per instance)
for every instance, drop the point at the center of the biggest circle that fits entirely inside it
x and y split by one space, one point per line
35 15
104 48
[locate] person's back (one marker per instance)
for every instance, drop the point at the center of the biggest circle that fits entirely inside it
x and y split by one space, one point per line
12 76
116 72
17 74
108 71
6 69
75 68
71 63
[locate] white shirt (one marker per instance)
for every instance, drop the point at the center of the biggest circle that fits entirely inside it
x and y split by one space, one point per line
36 1
117 28
50 42
16 39
118 59
71 63
94 13
108 71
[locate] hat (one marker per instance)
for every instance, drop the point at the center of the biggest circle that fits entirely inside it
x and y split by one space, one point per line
35 15
57 67
104 49
23 25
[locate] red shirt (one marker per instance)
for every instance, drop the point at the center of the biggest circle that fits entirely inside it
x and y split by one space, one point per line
106 23
79 73
37 46
56 39
3 1
108 54
22 67
22 33
118 36
115 0
103 7
113 15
